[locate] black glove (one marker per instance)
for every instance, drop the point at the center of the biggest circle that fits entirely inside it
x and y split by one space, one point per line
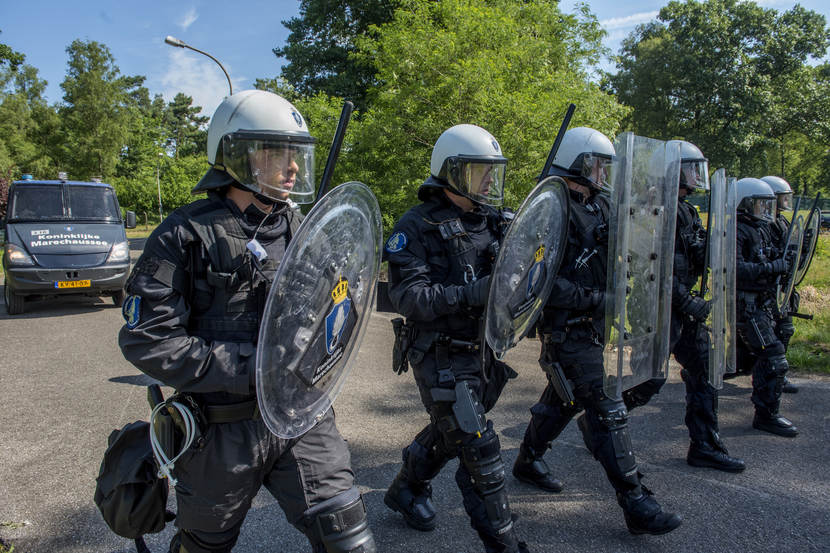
474 294
779 266
601 234
697 308
597 300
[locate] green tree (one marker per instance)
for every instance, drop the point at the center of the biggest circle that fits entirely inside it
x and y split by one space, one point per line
96 112
320 45
730 76
13 58
510 67
184 127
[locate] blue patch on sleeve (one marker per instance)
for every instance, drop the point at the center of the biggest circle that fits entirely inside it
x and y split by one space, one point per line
396 242
131 310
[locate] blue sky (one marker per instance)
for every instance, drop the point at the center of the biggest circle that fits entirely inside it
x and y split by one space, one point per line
239 33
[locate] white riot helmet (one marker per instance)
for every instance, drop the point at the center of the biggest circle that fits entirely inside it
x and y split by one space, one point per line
783 192
262 142
469 159
585 156
694 167
756 199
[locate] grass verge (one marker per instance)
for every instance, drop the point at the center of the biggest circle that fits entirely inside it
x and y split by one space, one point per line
810 346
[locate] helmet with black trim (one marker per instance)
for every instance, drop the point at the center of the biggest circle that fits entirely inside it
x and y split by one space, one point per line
469 160
259 142
755 199
585 156
694 167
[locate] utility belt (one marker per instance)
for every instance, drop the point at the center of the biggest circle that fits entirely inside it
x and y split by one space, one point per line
413 343
560 335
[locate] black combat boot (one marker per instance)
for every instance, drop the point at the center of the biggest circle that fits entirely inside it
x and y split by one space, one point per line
504 543
531 468
789 387
704 454
643 515
413 501
774 424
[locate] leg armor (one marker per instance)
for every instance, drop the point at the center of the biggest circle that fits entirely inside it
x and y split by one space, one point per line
481 459
339 525
612 443
785 330
768 381
549 417
642 393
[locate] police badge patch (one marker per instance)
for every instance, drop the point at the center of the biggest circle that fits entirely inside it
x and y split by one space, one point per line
131 310
396 242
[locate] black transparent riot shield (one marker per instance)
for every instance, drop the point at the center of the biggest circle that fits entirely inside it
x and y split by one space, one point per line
317 310
811 231
719 324
730 246
643 211
786 282
527 262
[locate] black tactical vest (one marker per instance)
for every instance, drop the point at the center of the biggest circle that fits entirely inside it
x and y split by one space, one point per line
758 247
689 238
227 293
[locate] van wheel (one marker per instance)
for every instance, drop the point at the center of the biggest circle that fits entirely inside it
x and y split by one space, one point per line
118 298
14 303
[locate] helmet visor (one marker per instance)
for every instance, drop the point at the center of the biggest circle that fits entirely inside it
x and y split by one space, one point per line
596 169
481 180
759 207
694 174
785 201
277 167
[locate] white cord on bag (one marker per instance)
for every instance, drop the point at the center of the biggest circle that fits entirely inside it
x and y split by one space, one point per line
165 463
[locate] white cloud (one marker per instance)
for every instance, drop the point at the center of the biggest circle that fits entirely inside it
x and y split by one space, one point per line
188 19
628 20
198 77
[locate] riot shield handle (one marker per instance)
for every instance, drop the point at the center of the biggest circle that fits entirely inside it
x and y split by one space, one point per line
334 152
555 148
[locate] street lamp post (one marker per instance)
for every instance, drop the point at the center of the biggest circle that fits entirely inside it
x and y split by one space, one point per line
173 41
158 184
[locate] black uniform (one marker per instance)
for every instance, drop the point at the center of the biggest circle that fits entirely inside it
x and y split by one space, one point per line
758 341
572 331
192 323
784 327
438 257
690 343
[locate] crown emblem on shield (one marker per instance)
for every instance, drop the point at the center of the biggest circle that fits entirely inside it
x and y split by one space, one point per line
340 290
540 254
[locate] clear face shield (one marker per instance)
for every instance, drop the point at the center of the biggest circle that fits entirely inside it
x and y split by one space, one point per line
481 180
694 175
281 167
785 201
595 170
759 207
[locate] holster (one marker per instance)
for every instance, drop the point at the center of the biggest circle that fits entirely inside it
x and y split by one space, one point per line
561 384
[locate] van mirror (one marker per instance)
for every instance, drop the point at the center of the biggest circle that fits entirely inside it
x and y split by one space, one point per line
130 222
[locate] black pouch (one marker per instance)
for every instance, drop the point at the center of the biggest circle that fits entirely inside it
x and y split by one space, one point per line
499 373
129 493
403 341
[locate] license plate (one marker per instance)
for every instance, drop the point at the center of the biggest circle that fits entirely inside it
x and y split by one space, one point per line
73 284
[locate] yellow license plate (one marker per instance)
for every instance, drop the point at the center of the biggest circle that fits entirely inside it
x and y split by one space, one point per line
73 284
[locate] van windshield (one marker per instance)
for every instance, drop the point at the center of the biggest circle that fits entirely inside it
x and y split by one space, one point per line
48 203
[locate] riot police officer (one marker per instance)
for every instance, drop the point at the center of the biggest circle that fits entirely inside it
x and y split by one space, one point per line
784 327
759 264
689 341
440 257
572 331
197 295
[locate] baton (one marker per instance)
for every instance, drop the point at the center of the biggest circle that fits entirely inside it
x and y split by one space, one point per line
334 152
557 142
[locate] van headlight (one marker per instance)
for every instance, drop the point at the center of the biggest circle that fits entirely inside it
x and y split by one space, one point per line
18 256
119 252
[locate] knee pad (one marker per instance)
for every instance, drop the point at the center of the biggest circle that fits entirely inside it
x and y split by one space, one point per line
614 417
340 524
482 459
786 329
779 365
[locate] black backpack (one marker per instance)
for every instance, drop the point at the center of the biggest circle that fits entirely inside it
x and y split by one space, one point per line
129 493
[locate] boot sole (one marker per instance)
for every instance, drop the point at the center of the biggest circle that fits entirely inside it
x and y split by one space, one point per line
712 465
410 521
775 431
535 484
639 532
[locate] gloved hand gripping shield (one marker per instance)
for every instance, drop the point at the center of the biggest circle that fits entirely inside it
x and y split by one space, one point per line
640 251
786 282
720 324
527 263
808 247
317 310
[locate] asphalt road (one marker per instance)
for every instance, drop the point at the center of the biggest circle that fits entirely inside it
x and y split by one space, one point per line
65 386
